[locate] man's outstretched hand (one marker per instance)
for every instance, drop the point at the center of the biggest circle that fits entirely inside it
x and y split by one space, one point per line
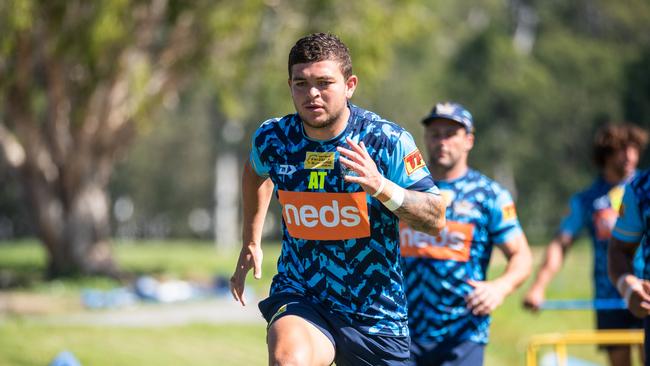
249 257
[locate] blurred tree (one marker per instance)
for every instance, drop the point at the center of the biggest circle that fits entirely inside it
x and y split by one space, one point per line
78 80
258 90
540 77
14 216
636 98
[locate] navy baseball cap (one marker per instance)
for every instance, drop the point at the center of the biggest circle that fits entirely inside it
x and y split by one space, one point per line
451 111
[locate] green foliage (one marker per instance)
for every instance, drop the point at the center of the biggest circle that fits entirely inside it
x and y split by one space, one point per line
636 96
535 110
14 15
246 84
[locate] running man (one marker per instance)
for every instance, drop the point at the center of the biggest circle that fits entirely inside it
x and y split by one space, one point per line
449 299
632 229
344 177
616 151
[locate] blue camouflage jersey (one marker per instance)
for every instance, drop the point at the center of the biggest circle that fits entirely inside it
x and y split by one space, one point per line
339 245
480 214
596 208
633 224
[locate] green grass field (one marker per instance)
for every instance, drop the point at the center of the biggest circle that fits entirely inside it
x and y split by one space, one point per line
27 340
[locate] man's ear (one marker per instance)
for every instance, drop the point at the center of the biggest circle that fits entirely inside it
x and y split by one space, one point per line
470 141
350 86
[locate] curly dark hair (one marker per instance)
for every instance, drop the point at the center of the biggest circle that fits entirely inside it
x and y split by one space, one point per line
615 137
320 47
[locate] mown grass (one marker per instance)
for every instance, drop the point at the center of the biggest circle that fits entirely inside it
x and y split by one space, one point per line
27 341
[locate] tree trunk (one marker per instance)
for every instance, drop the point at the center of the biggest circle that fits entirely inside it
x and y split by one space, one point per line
75 230
67 112
86 234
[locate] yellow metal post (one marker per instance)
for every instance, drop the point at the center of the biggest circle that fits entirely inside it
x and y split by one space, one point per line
531 355
561 354
579 337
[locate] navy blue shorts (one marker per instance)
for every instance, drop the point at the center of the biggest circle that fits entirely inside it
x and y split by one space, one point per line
353 347
446 353
616 319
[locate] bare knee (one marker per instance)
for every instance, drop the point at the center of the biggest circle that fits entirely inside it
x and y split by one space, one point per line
290 357
292 342
289 346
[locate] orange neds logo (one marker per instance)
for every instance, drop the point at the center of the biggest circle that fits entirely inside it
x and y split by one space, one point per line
453 243
325 216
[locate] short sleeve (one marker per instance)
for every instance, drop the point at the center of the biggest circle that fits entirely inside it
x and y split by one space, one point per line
573 222
259 166
407 167
504 225
629 225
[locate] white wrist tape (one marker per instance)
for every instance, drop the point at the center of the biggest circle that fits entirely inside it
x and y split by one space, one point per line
628 293
626 289
396 200
621 285
381 187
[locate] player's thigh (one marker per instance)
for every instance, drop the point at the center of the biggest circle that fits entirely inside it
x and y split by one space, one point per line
292 339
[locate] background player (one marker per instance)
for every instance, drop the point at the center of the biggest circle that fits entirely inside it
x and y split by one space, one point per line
616 151
449 299
632 230
343 176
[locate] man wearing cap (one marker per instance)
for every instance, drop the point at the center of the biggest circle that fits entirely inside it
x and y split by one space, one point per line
449 299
